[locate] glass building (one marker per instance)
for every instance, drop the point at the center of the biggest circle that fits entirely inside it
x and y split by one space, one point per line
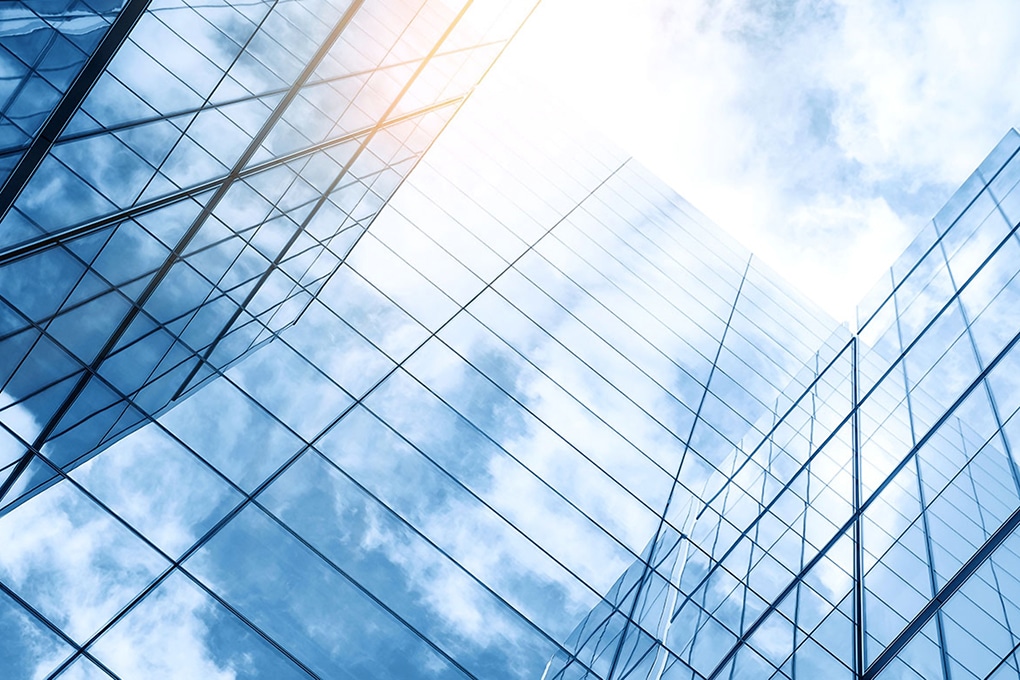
282 395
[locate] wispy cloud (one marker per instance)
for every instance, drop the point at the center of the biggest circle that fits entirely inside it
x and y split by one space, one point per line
823 135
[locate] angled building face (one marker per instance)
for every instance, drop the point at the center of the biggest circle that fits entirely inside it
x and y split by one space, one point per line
531 415
866 528
184 177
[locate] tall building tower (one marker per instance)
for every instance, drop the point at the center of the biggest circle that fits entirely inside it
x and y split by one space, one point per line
866 529
180 178
266 414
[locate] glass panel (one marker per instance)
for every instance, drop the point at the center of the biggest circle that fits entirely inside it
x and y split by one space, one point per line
255 565
404 570
223 426
159 487
178 630
72 561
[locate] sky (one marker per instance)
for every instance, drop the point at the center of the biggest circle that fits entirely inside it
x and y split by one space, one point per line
822 134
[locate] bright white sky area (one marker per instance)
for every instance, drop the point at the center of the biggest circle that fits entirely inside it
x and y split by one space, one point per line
823 134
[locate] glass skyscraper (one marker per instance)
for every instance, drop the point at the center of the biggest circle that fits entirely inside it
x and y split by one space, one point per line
283 395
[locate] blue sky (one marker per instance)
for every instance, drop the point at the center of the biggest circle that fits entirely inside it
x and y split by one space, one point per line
822 134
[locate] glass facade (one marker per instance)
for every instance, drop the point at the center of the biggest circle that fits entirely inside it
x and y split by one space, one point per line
282 395
865 528
192 180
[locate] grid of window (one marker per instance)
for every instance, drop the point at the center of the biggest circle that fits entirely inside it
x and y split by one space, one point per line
869 531
530 415
44 46
528 367
222 164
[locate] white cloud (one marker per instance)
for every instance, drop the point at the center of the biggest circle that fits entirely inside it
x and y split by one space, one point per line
72 561
164 637
907 75
823 135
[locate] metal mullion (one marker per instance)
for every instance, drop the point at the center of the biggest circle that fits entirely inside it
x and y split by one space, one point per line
106 671
518 403
299 454
346 168
1009 660
694 233
554 431
653 649
311 447
804 468
929 550
32 153
385 67
633 665
173 565
41 618
246 242
818 341
1007 449
599 335
49 240
643 233
976 560
941 311
848 525
242 49
991 563
618 285
433 334
624 267
40 327
132 603
42 324
32 69
359 401
595 371
71 99
858 526
803 538
124 398
185 239
457 482
324 245
666 252
418 532
89 373
676 477
538 477
503 390
626 294
365 591
941 235
590 368
624 323
746 580
159 326
208 106
279 471
324 197
627 325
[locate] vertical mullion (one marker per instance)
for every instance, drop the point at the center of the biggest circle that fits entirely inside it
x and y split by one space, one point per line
68 105
858 592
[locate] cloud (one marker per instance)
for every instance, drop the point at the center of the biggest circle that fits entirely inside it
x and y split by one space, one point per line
822 134
166 636
72 561
79 567
159 488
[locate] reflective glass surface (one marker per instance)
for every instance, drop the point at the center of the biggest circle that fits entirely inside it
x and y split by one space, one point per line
299 399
